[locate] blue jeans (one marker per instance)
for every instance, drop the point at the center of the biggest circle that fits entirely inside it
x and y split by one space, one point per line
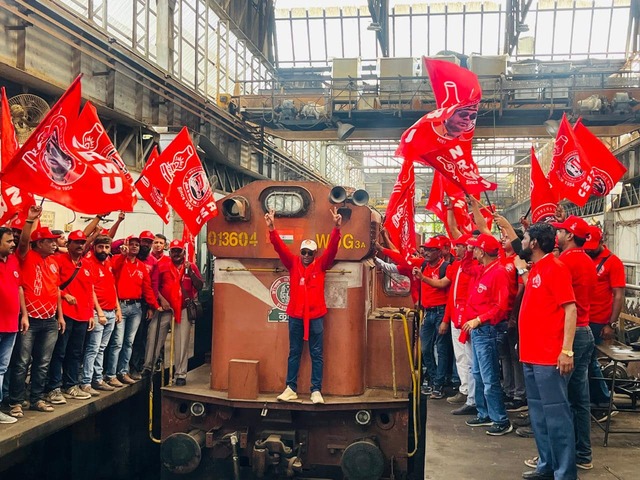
37 342
97 341
7 340
486 373
67 355
121 344
598 388
551 420
296 341
429 338
578 390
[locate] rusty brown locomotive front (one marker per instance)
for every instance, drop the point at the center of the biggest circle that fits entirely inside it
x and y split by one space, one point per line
227 422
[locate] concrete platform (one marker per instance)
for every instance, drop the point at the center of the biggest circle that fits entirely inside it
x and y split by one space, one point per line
35 426
455 451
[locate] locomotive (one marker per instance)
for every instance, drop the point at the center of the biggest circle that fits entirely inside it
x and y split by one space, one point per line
227 424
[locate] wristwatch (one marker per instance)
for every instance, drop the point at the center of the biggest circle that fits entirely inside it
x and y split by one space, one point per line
522 271
568 353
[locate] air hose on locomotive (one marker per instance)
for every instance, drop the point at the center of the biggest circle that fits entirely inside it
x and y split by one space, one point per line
414 380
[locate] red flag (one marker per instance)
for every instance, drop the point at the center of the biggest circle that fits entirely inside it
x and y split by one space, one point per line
184 182
96 139
189 245
606 170
400 218
452 85
55 164
570 172
13 200
543 201
150 192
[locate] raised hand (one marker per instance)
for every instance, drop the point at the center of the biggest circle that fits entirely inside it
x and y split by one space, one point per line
269 218
34 212
337 218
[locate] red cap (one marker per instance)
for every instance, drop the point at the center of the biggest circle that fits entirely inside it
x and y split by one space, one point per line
594 238
43 233
147 235
444 241
575 225
487 243
133 237
176 244
433 242
462 239
77 235
104 231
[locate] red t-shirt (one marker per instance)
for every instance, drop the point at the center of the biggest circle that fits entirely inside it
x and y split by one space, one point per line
507 263
609 276
40 284
583 281
105 283
81 287
133 281
541 321
151 263
458 292
433 297
488 294
9 294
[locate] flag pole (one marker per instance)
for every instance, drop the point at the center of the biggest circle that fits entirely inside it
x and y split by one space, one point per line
528 212
489 202
41 202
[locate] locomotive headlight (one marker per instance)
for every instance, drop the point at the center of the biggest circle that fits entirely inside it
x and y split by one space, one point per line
363 417
197 409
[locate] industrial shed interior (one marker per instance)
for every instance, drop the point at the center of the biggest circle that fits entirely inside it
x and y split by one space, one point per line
321 91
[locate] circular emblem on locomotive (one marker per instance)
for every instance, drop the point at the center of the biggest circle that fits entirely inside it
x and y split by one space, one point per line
280 292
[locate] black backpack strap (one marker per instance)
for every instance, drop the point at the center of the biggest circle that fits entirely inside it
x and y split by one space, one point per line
70 279
602 263
443 269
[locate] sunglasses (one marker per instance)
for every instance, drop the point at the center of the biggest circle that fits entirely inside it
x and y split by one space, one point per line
466 114
307 253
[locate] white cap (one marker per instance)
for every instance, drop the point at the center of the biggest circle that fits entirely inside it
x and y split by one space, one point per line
309 245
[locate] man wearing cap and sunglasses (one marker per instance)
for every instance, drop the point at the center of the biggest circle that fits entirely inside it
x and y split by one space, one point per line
42 298
487 306
78 303
307 308
133 283
180 281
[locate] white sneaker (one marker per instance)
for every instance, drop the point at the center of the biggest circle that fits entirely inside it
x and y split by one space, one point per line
288 395
4 418
55 397
316 397
75 392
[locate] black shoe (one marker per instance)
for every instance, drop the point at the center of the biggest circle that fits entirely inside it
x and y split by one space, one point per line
602 416
437 394
524 432
465 410
181 382
522 420
496 430
479 422
146 373
516 406
534 475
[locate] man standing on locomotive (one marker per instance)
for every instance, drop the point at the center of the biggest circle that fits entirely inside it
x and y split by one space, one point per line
307 308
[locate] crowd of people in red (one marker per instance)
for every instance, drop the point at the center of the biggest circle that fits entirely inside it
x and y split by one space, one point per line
85 313
511 325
